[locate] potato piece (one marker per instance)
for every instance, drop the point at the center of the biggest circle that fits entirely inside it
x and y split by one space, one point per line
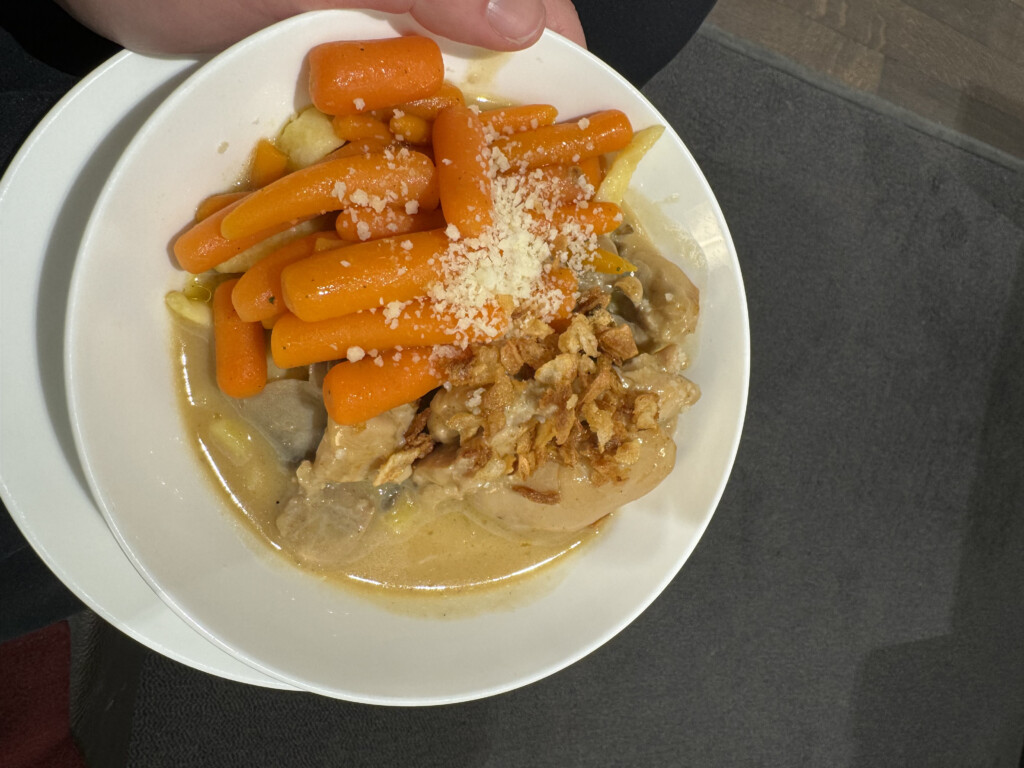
194 311
308 138
616 180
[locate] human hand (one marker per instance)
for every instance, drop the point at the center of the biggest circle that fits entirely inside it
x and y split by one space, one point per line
187 26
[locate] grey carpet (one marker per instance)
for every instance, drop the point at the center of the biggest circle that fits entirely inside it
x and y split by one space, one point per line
857 599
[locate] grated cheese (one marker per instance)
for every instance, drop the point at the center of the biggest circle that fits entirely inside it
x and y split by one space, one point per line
506 265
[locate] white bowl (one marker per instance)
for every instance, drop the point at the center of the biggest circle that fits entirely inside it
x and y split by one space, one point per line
192 549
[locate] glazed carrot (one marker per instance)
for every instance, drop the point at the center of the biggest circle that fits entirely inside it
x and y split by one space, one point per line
333 185
357 391
257 293
240 352
347 78
523 117
210 205
358 224
203 247
568 142
361 147
428 108
328 241
563 288
594 218
609 263
592 171
463 182
364 275
411 129
355 127
295 343
268 164
559 184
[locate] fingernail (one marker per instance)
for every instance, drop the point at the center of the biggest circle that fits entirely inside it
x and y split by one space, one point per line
518 21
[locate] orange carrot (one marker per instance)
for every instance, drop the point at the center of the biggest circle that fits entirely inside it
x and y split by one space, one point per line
592 171
562 287
361 147
568 142
608 262
203 247
328 241
461 155
257 294
335 184
428 108
268 164
357 224
355 127
411 129
240 351
347 78
559 184
210 205
364 275
523 117
594 218
357 391
295 343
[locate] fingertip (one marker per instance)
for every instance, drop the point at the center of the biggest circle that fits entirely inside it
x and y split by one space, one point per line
500 25
519 22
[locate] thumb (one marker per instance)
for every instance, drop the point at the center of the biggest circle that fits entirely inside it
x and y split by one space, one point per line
501 25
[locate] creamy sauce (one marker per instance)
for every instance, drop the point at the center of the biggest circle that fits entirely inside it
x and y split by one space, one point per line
428 548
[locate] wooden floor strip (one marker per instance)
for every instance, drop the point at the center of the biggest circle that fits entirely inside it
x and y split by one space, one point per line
959 63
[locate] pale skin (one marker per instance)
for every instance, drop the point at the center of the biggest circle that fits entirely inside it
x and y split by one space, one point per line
199 26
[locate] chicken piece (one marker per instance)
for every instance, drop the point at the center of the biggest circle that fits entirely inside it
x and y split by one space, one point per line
351 453
562 498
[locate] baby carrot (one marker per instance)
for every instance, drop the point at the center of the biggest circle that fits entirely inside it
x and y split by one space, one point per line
361 147
203 246
357 391
355 127
523 117
392 177
295 343
357 224
240 352
364 275
257 293
411 129
569 142
210 205
328 241
592 171
608 262
594 218
428 108
347 78
461 157
559 184
268 164
562 287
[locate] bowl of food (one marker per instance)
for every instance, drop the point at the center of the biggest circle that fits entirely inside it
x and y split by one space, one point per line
405 372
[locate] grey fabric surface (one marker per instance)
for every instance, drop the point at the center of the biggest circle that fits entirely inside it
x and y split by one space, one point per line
857 598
